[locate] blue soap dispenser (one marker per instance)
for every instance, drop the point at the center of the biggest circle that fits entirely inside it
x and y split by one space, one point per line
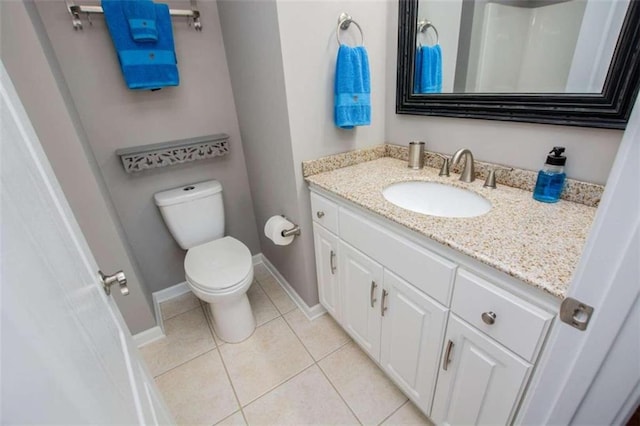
551 178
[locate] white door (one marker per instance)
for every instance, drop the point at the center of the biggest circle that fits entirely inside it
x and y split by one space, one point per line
67 356
412 333
593 376
479 382
326 248
361 286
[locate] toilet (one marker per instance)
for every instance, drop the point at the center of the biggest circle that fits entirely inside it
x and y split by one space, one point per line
218 269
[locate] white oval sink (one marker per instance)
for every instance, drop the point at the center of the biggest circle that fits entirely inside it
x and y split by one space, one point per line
436 199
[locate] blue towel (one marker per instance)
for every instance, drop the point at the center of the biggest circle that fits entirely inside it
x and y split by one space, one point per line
145 66
428 77
141 16
352 91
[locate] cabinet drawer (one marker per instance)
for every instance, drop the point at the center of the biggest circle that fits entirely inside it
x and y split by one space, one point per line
425 270
518 325
324 212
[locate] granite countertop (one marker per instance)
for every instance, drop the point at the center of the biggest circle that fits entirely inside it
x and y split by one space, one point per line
535 242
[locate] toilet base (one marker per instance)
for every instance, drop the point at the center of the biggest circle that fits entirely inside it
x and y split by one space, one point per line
233 320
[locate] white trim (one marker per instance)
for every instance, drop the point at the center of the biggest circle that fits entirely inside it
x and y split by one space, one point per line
257 259
164 295
312 312
148 336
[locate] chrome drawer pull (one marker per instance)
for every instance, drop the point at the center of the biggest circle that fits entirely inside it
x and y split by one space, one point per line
373 289
489 317
382 307
331 264
447 356
320 214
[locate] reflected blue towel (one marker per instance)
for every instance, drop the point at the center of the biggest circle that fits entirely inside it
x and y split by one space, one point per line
352 103
428 76
144 65
141 16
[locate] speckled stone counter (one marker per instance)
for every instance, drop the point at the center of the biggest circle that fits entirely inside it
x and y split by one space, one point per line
535 242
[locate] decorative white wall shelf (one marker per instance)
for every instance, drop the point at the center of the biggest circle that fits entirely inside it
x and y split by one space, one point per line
165 154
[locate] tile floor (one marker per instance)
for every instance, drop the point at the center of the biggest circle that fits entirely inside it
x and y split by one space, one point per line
291 371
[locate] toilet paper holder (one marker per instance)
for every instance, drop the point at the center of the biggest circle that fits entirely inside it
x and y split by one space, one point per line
295 231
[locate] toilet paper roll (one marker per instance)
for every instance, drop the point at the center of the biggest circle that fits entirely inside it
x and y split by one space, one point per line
273 230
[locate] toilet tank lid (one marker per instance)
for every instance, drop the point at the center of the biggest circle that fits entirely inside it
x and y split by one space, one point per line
187 193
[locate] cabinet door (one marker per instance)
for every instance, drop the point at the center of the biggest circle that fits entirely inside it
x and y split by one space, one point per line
361 287
412 332
483 381
326 247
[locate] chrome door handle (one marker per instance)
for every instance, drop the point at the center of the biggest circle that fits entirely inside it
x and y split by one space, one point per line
382 307
488 317
447 356
108 280
373 289
331 264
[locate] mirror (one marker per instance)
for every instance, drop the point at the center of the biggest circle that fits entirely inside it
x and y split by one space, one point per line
572 62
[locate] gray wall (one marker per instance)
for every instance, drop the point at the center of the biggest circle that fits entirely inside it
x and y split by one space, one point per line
283 86
115 117
590 152
39 84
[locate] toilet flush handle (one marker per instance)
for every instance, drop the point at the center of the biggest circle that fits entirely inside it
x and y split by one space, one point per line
108 280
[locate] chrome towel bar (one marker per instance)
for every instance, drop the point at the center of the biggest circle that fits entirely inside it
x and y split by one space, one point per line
344 21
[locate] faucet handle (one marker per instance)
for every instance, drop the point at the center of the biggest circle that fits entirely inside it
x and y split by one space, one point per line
490 182
444 170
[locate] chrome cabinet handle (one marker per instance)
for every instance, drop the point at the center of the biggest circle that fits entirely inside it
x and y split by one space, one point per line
382 307
373 289
331 264
320 214
108 280
447 356
488 317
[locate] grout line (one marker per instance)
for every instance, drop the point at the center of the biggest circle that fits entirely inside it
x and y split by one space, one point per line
394 411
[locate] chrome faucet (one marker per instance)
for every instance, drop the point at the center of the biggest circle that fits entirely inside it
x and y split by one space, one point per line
469 172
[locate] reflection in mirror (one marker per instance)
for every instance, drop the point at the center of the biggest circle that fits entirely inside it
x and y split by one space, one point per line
515 46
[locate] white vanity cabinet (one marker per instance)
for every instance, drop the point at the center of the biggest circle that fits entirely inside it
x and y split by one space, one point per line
397 298
480 381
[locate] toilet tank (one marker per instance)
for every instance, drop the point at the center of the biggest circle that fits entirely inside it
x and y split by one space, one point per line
193 213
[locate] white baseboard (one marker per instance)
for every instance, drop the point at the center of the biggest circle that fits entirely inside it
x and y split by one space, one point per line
311 312
148 336
164 295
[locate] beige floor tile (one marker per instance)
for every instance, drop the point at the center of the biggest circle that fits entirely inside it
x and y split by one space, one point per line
198 392
269 357
408 414
307 399
236 419
260 272
188 336
178 305
277 295
320 336
369 393
263 310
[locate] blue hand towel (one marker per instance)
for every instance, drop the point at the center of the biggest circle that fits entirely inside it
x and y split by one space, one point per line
141 16
352 91
417 75
145 66
429 69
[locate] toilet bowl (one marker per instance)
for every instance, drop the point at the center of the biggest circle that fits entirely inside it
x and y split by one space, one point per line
220 272
218 269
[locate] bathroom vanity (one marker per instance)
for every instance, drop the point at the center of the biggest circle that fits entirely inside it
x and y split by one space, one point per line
453 319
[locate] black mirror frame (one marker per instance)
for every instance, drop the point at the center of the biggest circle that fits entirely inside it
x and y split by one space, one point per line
609 109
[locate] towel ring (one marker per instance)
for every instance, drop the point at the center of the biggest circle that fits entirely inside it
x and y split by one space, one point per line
423 26
344 21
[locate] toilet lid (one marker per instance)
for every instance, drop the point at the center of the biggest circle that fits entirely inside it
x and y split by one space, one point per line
218 264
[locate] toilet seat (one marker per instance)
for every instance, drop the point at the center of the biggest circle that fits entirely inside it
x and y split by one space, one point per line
218 266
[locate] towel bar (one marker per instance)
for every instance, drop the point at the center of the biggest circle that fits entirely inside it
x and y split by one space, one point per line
75 10
424 25
344 21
